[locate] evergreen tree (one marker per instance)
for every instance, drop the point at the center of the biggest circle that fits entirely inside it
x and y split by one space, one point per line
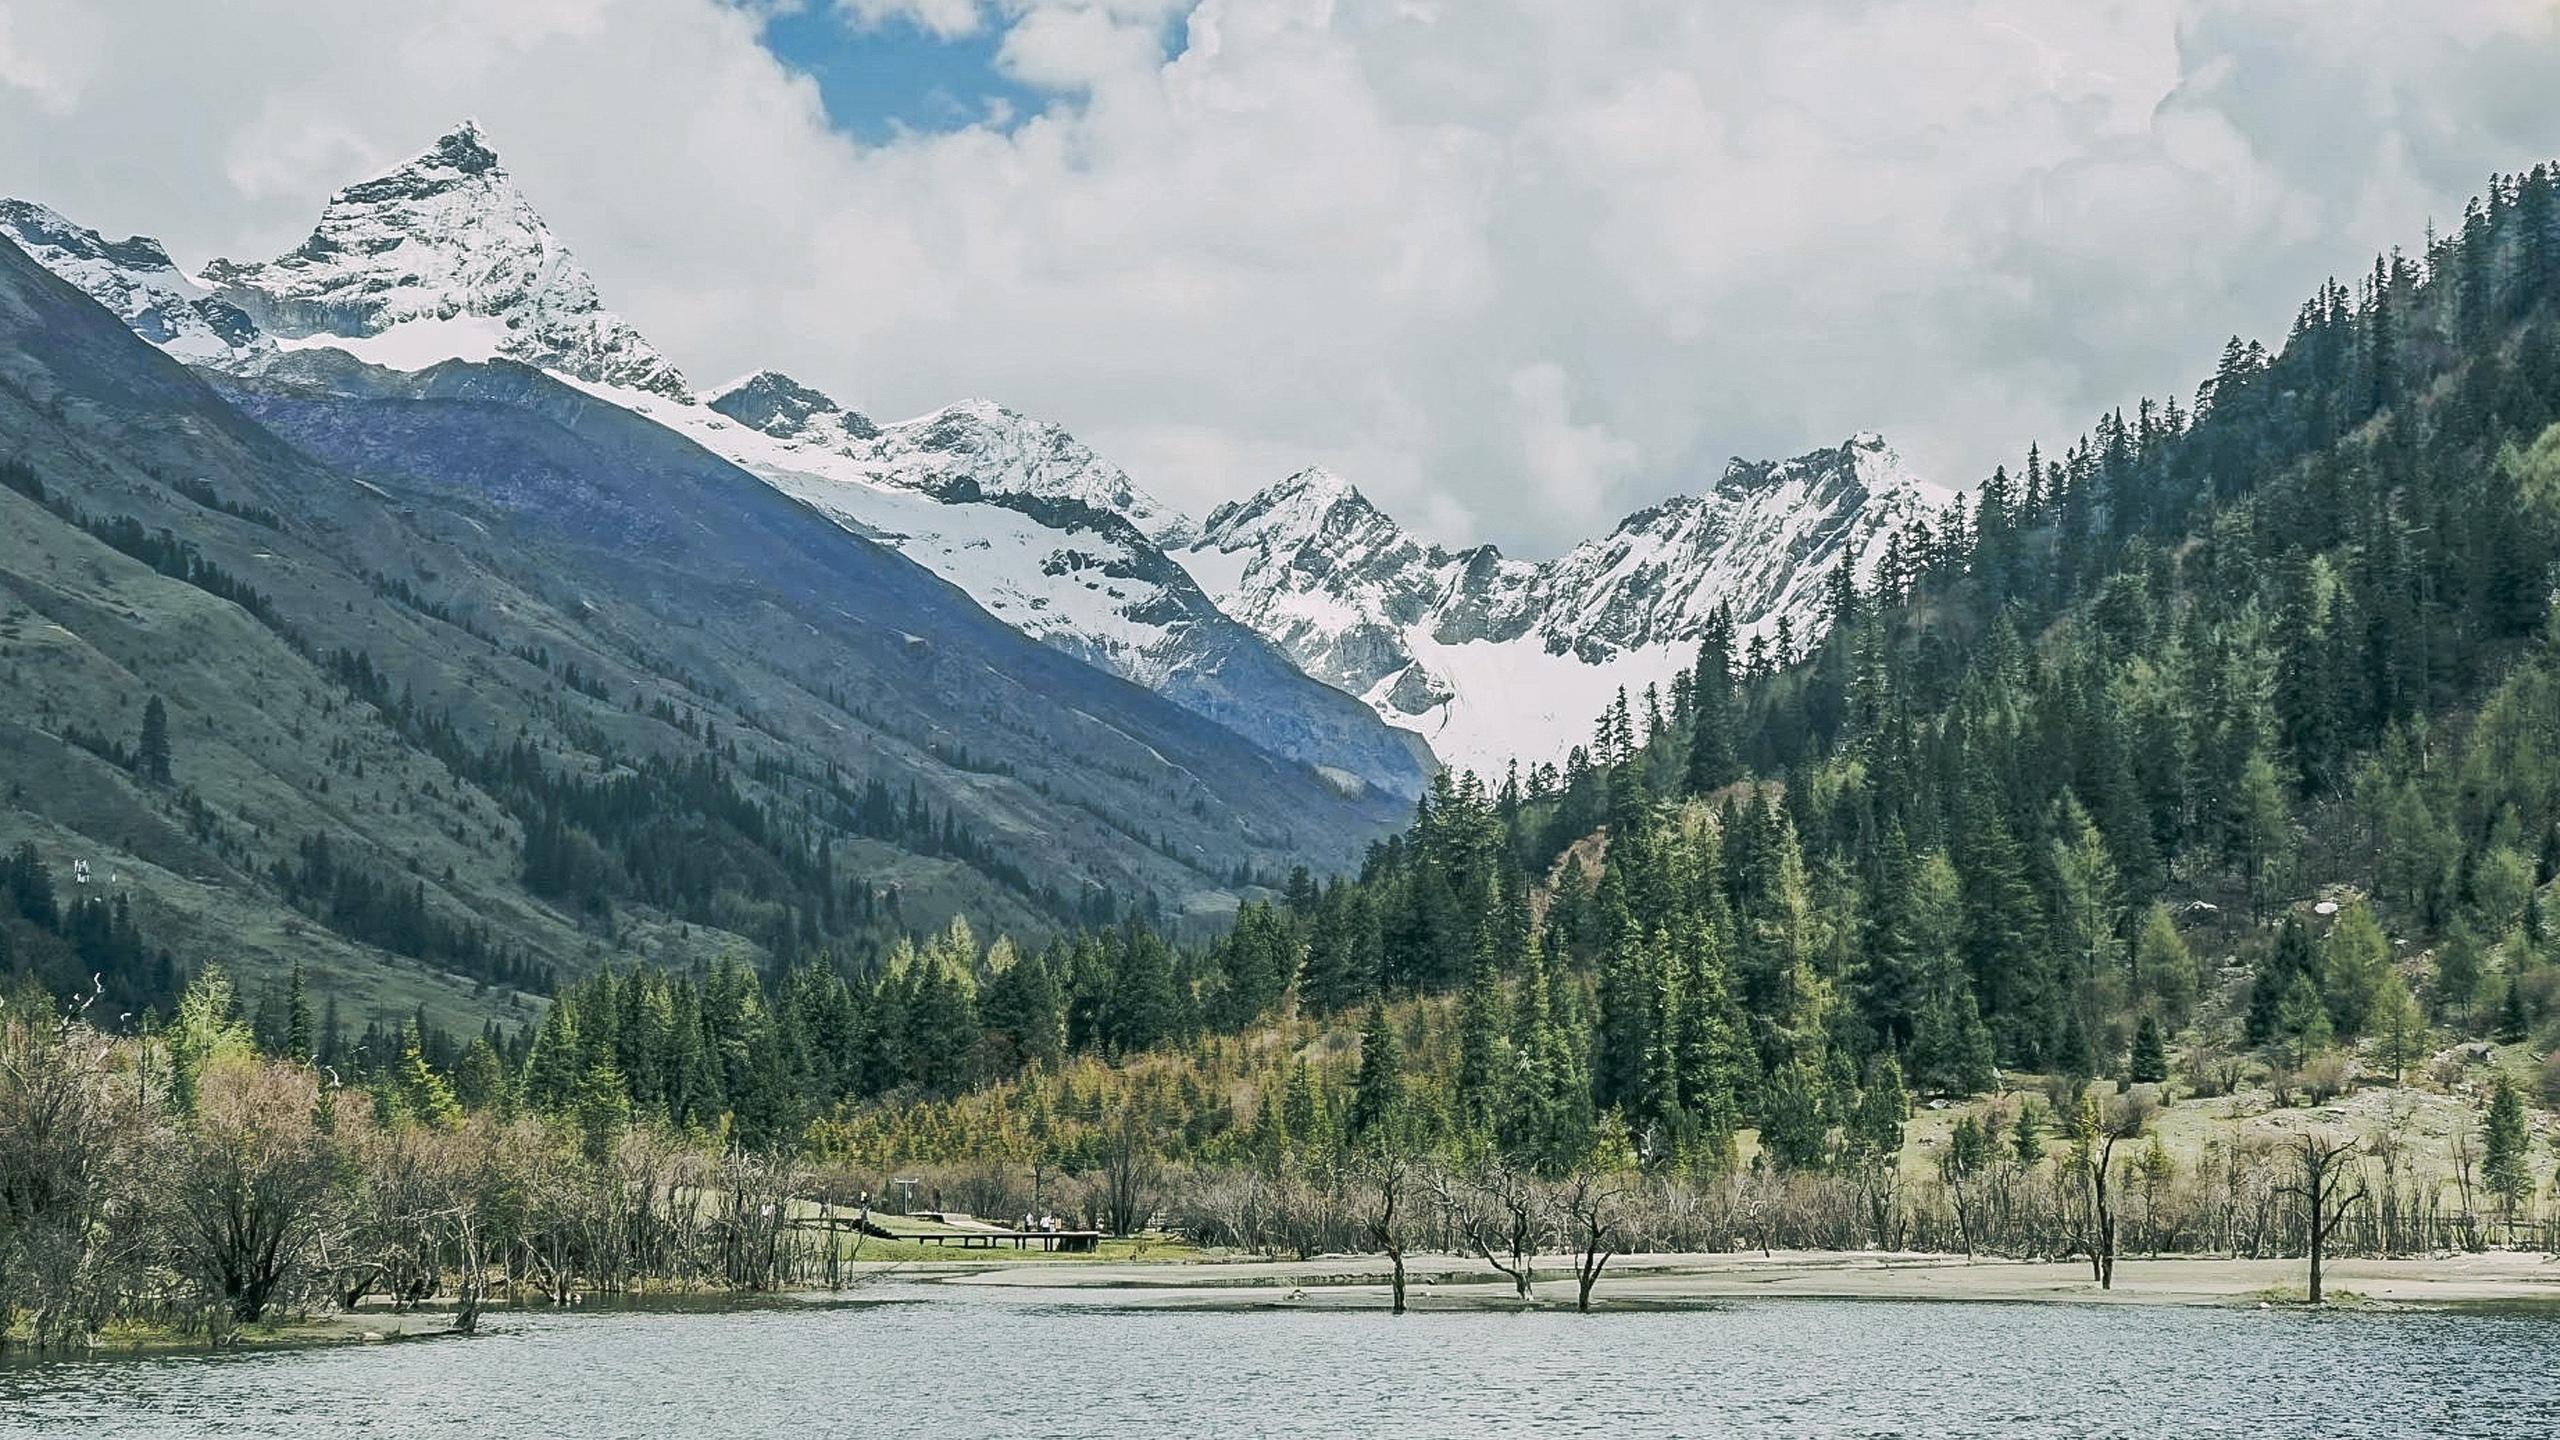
2506 1161
1378 1090
418 1091
1792 1129
2293 962
2150 1053
2459 974
1484 1060
2356 965
601 1109
298 1040
2027 1135
151 752
551 1070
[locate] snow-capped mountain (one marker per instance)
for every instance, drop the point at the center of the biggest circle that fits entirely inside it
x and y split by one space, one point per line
1491 658
1052 540
1484 657
973 450
135 279
442 258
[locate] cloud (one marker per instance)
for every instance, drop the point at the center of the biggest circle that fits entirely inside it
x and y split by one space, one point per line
949 19
1513 267
1575 466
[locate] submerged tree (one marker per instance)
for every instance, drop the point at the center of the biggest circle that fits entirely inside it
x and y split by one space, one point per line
2327 1192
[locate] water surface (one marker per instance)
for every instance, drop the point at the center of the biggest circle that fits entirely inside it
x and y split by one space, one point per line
959 1362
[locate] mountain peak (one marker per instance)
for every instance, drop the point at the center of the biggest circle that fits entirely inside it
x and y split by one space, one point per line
135 278
467 144
1306 504
443 257
1318 484
782 407
464 150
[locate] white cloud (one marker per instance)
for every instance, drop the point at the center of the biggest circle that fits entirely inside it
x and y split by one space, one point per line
949 19
1576 467
1512 267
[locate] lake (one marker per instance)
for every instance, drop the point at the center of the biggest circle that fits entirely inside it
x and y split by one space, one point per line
943 1361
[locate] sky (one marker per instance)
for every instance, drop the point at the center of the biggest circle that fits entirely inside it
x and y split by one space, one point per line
1513 267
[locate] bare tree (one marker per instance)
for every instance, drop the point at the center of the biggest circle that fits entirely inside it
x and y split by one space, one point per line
1588 1214
2327 1192
2095 1133
1130 1170
250 1183
66 1247
1389 1171
1504 1219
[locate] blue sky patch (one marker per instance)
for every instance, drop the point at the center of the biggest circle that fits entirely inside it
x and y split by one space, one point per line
897 77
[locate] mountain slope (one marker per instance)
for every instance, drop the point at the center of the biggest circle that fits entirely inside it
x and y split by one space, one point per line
1057 543
1269 619
522 682
443 258
1491 658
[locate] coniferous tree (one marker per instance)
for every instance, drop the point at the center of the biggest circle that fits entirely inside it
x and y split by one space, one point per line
2506 1163
1484 1059
1378 1090
2150 1053
299 1042
151 752
2355 967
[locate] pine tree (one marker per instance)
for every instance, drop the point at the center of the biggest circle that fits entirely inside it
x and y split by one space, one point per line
151 754
1875 1126
1792 1129
1484 1060
2356 964
551 1070
422 1094
2164 969
1377 1092
2027 1136
602 1111
2295 959
2150 1053
1711 763
2459 973
480 1080
298 1041
2506 1161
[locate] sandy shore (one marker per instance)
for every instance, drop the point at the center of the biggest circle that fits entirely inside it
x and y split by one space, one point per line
1446 1282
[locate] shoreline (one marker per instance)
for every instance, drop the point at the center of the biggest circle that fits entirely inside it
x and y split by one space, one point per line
2519 1281
2498 1278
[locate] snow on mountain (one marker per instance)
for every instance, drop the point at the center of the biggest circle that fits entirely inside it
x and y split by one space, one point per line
989 500
135 279
1052 540
443 258
982 448
1486 658
1490 658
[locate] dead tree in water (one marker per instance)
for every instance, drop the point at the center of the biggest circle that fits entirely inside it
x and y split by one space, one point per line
1509 1222
1389 1172
2327 1193
1586 1208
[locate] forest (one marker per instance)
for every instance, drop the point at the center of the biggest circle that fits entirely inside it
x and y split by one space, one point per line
2218 752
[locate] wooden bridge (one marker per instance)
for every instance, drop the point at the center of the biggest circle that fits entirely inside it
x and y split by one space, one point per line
969 1233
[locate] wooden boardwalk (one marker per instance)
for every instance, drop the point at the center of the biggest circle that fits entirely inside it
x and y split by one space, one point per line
967 1233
